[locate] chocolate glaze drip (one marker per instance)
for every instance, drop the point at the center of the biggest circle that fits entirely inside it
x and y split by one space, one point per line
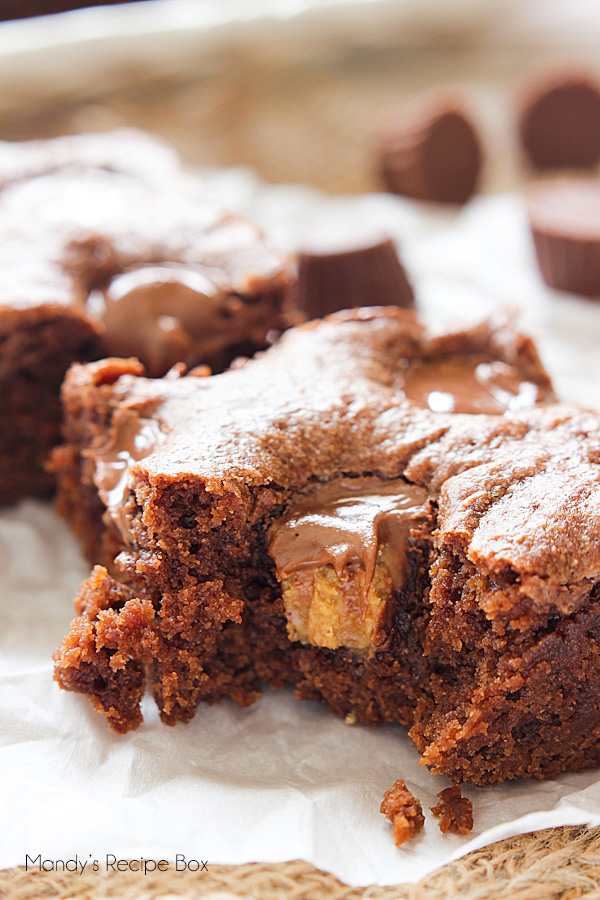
468 385
170 313
133 438
345 523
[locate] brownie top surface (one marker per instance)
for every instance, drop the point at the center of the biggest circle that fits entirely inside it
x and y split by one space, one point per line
283 416
519 489
124 150
75 211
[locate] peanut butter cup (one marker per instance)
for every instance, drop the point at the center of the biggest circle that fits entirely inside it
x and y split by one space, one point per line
559 121
342 267
341 554
564 217
173 312
431 151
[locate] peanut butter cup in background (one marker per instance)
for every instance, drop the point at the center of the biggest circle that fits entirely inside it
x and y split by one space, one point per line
564 216
559 121
342 265
430 150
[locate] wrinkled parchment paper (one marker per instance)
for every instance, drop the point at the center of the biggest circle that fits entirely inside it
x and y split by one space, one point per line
283 779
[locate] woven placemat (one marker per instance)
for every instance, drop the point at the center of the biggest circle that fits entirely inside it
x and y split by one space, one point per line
546 865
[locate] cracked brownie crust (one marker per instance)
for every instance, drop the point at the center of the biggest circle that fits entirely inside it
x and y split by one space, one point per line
486 648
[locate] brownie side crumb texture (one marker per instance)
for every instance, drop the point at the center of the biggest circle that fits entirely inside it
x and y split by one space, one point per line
404 812
454 811
34 354
90 663
513 603
77 212
503 568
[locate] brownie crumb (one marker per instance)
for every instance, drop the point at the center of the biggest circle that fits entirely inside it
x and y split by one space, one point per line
454 811
404 812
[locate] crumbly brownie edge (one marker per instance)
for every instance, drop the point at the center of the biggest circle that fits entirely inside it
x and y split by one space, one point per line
404 811
505 700
221 627
87 405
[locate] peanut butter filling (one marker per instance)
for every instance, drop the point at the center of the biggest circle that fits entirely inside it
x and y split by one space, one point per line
341 554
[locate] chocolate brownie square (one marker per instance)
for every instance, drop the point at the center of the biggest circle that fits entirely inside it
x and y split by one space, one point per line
399 522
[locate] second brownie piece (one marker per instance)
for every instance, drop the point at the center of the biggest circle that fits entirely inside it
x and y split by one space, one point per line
108 247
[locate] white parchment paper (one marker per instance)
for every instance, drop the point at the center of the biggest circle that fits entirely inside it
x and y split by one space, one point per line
283 779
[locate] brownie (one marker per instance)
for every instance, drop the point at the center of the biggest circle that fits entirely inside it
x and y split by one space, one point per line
404 812
400 522
108 246
454 811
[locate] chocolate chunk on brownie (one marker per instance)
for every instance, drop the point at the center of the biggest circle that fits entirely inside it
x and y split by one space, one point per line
109 247
404 812
454 811
313 518
559 121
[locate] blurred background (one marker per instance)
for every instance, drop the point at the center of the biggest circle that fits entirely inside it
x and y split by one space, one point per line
294 88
